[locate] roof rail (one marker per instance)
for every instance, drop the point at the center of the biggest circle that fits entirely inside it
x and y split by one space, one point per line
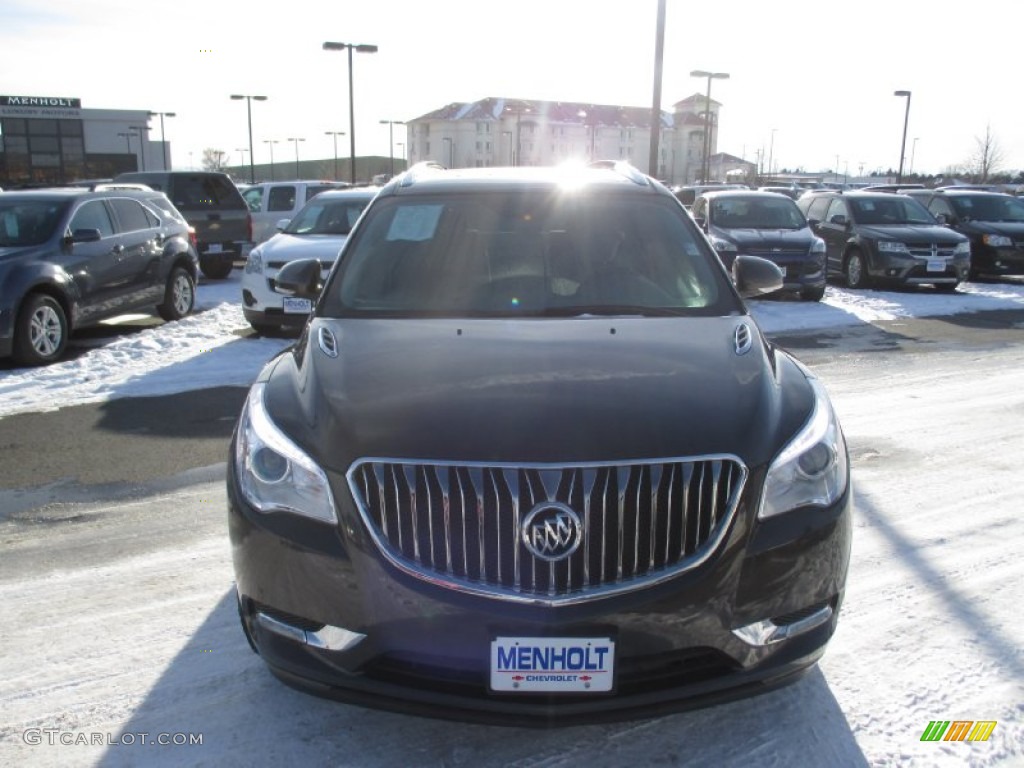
623 169
418 170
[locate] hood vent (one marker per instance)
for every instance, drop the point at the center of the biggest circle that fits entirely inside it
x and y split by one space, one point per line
744 339
328 344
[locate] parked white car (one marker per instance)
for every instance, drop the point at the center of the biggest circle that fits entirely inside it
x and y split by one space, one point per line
270 202
318 231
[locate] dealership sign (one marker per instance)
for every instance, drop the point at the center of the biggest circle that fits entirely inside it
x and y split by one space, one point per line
39 106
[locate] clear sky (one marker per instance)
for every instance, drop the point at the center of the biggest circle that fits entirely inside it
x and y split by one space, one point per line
812 82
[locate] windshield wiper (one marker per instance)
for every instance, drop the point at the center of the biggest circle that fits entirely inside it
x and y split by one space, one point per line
612 310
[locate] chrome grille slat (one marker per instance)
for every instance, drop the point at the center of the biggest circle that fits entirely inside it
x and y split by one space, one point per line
642 521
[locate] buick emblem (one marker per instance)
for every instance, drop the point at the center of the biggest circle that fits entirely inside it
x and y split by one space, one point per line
552 531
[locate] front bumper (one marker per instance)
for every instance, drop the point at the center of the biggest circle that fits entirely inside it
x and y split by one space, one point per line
330 615
987 260
910 270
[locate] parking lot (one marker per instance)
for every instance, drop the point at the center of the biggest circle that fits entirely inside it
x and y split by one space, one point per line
121 630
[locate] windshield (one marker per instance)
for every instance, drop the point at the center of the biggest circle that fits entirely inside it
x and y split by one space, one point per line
890 210
529 252
327 217
756 213
28 222
988 208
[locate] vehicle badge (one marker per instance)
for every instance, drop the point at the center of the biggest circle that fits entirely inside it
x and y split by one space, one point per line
551 531
935 250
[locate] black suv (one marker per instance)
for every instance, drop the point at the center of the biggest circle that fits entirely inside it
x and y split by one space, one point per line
879 237
72 257
532 461
212 204
769 225
994 222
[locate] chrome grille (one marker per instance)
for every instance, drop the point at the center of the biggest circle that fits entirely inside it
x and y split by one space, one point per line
460 524
929 251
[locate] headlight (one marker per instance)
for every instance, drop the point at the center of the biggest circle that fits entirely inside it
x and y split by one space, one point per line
721 245
818 246
964 248
997 241
812 470
276 475
254 263
892 246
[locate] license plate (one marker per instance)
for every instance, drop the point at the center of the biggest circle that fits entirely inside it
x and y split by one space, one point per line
552 664
936 265
293 306
214 248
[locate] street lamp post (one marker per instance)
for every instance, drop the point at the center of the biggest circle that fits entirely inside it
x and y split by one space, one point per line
163 141
335 134
391 138
401 148
290 138
361 48
127 139
707 116
771 151
142 142
241 151
913 151
903 144
270 143
248 107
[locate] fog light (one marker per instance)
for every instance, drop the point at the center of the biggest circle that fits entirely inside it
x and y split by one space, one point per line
327 637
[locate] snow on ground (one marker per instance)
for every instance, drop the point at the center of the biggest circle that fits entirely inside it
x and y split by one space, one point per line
213 346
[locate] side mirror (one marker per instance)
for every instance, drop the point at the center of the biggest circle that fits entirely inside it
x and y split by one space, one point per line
85 236
754 276
282 223
944 219
814 223
300 278
839 220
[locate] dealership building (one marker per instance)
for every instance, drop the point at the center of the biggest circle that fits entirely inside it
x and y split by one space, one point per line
53 140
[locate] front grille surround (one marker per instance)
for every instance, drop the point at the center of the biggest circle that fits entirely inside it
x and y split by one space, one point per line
458 524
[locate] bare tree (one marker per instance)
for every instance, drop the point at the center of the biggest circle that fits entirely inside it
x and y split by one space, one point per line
986 158
213 159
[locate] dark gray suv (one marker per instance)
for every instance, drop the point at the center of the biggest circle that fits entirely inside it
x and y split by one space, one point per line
212 204
532 461
72 257
875 238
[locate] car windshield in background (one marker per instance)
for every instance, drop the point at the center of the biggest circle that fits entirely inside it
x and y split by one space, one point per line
531 253
756 213
887 211
988 208
335 217
25 223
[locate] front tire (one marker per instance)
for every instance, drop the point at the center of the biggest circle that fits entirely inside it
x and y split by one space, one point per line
812 294
179 296
41 332
855 270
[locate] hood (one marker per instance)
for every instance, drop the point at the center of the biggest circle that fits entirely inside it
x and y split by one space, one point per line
790 239
1014 229
541 390
284 247
919 233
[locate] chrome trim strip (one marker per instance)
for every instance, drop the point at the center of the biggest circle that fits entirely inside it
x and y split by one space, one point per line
767 632
483 472
326 638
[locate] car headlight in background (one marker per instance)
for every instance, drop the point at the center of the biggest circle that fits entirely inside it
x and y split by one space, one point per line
962 249
893 246
254 262
818 246
813 469
996 241
722 245
276 475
